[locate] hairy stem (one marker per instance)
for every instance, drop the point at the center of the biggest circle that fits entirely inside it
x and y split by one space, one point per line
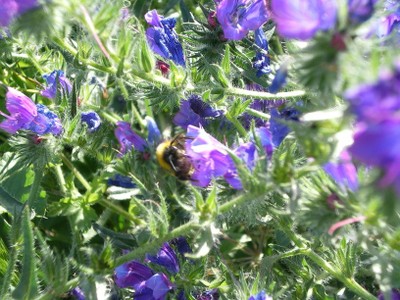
263 95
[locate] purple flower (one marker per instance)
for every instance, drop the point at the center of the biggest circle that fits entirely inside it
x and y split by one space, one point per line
261 62
247 153
181 244
211 159
165 257
382 96
278 128
360 10
162 37
302 19
194 111
11 9
395 295
26 115
238 17
53 80
127 138
92 120
279 80
260 296
22 110
78 293
378 145
154 288
45 122
344 173
121 181
208 295
265 136
131 274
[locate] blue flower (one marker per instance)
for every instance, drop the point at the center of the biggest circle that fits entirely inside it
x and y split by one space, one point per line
45 122
78 293
260 296
181 244
238 17
381 96
208 295
121 181
131 274
343 172
261 62
378 145
265 136
247 153
154 134
55 80
91 119
165 257
211 159
278 128
279 80
162 37
154 288
128 139
302 19
360 10
194 111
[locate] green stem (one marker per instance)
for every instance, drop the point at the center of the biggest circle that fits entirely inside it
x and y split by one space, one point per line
77 174
109 117
60 179
258 114
185 230
349 282
12 256
150 77
120 211
263 95
35 187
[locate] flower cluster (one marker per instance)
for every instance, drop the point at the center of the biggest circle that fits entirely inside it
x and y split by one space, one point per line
146 282
377 137
163 39
25 114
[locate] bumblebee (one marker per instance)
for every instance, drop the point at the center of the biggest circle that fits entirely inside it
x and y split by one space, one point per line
171 156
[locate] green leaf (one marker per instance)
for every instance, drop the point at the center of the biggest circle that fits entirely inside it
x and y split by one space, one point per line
121 240
27 286
226 61
141 7
12 205
186 14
